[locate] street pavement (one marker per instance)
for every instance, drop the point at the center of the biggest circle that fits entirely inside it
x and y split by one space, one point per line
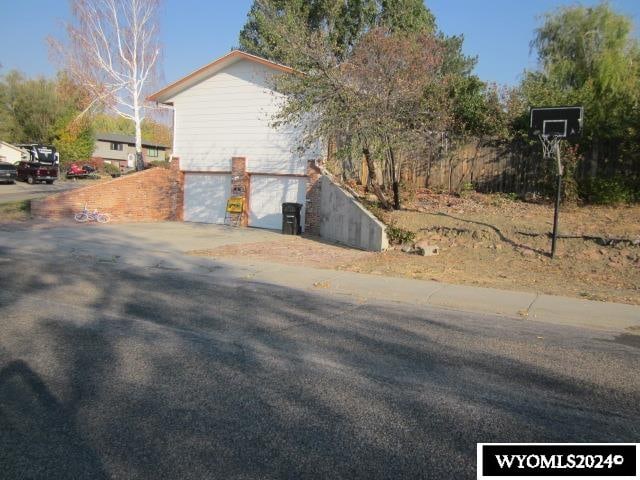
18 191
141 364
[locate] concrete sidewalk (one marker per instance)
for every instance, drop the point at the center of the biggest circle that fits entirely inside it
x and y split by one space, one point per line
374 288
162 246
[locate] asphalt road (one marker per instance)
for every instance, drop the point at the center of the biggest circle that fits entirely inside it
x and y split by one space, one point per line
19 191
115 371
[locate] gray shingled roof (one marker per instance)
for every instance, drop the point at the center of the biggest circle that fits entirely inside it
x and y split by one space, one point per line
121 138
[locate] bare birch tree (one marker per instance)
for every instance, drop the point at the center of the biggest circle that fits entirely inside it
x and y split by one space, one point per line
113 50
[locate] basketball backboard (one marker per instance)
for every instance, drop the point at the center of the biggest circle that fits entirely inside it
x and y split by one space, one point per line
556 122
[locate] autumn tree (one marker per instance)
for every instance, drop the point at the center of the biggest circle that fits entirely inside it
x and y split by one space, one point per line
74 134
388 93
112 51
340 27
45 111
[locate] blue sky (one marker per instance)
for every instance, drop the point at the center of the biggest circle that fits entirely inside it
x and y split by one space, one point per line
194 32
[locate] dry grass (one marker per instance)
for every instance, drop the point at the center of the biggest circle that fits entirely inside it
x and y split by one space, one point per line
15 211
492 241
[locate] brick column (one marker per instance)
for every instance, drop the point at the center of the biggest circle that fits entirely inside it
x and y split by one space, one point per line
240 183
312 212
177 189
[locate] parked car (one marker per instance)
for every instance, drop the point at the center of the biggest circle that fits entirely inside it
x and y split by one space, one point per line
86 171
8 172
32 172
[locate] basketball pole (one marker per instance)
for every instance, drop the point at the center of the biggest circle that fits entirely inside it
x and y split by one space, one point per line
556 213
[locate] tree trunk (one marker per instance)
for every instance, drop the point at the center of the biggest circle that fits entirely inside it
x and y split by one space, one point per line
138 122
374 180
395 184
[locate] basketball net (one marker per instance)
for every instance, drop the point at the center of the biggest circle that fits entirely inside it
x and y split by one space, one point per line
551 149
549 145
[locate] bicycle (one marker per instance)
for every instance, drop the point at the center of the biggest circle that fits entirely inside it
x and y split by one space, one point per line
87 216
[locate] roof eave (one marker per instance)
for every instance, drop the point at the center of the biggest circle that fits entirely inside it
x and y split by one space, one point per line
164 95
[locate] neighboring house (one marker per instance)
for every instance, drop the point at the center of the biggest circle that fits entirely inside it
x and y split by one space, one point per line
120 150
9 153
227 146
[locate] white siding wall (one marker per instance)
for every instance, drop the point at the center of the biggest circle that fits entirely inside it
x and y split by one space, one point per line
229 115
9 154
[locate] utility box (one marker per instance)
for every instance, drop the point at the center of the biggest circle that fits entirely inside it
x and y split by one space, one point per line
291 218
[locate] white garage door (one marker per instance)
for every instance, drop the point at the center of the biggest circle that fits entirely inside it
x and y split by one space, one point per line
205 197
267 195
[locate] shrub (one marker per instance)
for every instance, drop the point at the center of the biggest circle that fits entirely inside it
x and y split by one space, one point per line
397 235
570 159
610 191
160 163
467 188
111 169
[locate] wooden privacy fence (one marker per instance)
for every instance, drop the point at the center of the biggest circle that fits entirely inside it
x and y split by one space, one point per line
519 168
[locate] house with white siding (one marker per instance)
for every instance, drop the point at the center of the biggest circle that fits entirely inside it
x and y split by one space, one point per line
227 145
10 153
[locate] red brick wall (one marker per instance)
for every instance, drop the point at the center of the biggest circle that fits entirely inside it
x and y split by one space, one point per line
240 185
312 212
151 195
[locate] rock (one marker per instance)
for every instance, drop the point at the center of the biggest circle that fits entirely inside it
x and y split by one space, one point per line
498 246
527 252
407 248
426 250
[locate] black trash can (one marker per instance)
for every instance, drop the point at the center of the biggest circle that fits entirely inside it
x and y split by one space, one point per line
291 218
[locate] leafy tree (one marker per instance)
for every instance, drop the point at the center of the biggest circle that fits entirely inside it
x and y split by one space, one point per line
30 108
74 140
389 93
588 56
343 22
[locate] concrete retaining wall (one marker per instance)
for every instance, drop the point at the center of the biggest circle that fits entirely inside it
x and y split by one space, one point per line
344 220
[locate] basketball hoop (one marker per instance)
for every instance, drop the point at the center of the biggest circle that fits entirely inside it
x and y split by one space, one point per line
551 125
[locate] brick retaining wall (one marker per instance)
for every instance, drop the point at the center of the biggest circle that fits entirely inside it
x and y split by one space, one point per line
313 198
151 195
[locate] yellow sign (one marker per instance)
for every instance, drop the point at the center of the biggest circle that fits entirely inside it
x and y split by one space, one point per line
235 205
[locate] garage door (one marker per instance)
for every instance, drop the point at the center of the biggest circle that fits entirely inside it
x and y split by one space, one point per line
205 197
267 195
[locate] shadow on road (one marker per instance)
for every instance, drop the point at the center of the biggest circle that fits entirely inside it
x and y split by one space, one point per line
161 374
39 438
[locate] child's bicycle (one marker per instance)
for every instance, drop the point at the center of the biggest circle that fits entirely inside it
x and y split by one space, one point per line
87 216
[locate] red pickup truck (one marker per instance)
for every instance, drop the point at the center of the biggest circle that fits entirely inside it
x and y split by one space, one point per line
32 172
39 163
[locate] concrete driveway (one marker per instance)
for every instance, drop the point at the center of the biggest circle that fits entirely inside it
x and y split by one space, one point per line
23 191
143 364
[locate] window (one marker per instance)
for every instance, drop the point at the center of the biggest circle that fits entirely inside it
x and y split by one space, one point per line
152 152
116 146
